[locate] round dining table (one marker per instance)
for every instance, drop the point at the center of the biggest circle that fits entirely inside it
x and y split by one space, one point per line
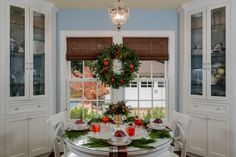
77 146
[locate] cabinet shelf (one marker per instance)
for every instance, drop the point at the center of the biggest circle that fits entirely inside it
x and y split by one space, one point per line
217 54
17 24
218 25
196 52
18 54
197 29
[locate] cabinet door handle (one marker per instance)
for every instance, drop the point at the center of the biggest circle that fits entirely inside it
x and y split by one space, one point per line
218 108
39 106
16 109
196 106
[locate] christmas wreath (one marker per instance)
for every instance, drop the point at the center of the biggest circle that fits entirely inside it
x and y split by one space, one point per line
121 57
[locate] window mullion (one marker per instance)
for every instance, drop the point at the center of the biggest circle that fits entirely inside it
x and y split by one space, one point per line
138 98
97 99
83 91
152 85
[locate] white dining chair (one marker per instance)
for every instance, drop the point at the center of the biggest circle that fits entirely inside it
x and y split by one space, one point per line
57 122
182 123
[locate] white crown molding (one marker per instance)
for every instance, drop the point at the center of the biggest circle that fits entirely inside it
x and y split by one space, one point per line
199 4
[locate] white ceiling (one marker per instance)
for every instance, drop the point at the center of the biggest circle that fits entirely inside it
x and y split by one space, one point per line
104 4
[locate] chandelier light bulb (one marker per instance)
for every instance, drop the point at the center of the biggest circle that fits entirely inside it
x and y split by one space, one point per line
119 14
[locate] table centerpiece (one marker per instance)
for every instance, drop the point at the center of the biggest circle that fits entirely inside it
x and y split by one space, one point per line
117 111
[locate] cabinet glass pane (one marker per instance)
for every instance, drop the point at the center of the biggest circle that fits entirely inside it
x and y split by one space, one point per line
17 51
196 54
218 52
38 53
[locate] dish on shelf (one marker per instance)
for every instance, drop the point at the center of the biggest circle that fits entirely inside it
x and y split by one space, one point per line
218 70
13 45
39 47
197 76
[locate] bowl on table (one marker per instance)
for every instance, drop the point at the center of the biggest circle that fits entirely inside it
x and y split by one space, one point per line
156 123
79 125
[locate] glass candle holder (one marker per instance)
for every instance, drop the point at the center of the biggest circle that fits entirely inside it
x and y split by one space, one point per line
105 119
95 127
138 121
130 129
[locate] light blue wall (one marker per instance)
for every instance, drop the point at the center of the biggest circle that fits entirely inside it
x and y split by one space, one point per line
99 20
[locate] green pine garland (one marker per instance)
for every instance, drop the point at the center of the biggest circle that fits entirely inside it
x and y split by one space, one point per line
155 134
98 143
73 135
104 66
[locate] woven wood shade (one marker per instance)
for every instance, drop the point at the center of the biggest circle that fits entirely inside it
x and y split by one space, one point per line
148 48
86 48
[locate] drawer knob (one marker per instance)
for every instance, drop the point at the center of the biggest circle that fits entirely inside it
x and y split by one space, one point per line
39 106
218 108
196 106
16 109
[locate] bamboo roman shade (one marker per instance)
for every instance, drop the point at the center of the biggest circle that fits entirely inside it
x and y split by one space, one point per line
86 48
148 48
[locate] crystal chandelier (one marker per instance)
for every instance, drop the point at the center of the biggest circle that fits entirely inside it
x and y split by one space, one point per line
119 14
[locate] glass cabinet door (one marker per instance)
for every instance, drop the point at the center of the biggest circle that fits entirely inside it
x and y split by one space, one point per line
197 54
38 54
17 52
218 52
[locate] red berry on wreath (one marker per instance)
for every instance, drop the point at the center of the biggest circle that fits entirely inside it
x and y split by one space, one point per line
131 66
113 80
105 62
122 81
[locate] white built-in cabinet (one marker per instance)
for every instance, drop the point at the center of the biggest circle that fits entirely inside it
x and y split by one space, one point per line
27 135
205 75
27 76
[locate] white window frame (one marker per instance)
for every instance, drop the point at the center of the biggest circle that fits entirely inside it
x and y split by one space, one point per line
117 38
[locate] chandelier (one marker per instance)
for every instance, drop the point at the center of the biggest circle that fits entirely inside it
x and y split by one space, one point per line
119 14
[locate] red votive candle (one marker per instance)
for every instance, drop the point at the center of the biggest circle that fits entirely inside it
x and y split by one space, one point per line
130 129
138 121
96 127
105 119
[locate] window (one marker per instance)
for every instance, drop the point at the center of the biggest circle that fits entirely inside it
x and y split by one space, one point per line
87 96
146 95
148 99
150 94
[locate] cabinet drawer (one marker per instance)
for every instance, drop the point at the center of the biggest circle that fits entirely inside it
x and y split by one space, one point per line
209 108
26 108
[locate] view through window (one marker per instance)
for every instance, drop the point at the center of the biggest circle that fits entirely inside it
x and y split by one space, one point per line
146 95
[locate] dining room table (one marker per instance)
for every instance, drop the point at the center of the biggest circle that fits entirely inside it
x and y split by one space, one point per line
78 145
